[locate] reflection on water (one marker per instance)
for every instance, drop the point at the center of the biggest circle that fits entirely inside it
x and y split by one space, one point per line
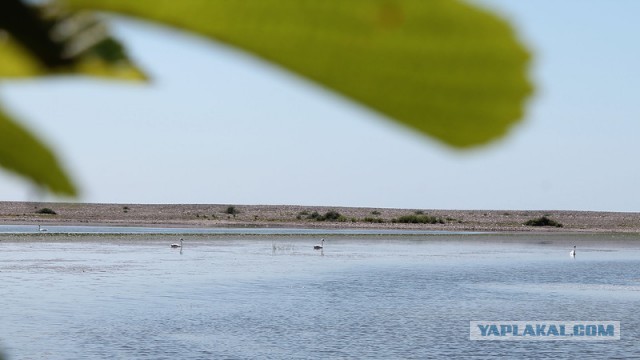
274 297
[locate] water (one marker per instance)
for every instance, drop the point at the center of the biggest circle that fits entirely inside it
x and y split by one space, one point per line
274 297
87 229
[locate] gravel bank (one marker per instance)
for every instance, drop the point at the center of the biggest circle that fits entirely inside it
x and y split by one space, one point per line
201 215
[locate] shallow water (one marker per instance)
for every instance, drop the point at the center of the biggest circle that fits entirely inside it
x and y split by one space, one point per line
80 229
274 297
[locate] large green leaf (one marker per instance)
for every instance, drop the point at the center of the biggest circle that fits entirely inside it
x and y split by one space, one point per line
25 155
443 67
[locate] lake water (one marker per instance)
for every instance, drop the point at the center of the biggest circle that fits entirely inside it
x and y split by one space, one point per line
274 297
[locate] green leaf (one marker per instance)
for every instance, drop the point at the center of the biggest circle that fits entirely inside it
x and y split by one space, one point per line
15 62
25 155
443 67
41 39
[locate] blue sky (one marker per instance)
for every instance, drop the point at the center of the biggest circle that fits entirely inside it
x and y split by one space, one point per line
217 126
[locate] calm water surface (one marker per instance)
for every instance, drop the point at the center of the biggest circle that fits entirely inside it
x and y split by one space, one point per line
271 297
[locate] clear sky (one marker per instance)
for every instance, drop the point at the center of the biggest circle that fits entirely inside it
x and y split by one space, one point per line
217 126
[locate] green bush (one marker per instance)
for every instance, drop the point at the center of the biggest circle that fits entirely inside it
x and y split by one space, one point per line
373 220
231 210
419 219
328 216
46 211
543 221
331 216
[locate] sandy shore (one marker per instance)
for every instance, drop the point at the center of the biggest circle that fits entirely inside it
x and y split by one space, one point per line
211 216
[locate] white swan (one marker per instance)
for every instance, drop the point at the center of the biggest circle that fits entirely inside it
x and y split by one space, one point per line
41 229
572 253
319 247
174 245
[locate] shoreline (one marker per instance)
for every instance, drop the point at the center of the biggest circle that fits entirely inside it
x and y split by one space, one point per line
310 217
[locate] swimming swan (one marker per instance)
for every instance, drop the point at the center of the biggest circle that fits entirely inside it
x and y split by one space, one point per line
174 245
41 229
572 253
319 247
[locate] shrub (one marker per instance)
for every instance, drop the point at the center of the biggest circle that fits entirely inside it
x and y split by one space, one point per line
419 219
46 211
543 221
331 216
375 212
373 220
328 216
231 210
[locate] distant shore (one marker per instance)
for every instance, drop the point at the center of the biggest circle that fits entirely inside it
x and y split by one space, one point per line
322 217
